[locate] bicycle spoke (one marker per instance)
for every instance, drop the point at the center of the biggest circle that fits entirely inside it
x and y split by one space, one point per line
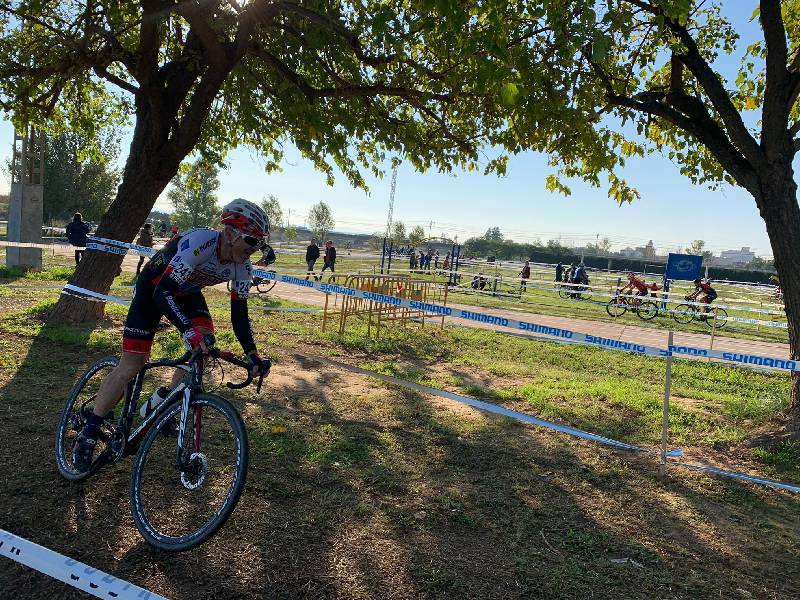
181 505
78 406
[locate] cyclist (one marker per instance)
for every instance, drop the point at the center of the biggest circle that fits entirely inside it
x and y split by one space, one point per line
635 284
170 285
581 278
707 293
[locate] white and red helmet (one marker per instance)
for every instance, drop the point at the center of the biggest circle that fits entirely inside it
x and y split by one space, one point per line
247 217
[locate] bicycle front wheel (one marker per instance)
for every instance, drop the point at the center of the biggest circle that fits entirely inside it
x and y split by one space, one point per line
564 292
616 307
722 317
647 310
683 313
265 286
178 508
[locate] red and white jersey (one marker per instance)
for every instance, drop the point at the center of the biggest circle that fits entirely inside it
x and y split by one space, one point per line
192 261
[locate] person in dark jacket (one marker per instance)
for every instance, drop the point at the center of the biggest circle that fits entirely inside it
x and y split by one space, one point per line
145 239
330 258
312 254
524 275
559 271
77 231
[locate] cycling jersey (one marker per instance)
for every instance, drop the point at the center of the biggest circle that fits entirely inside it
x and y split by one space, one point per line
170 285
706 289
638 284
192 262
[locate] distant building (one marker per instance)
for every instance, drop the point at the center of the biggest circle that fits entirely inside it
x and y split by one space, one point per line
735 257
632 253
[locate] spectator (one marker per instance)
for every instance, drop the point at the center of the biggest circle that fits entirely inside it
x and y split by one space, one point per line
329 259
162 228
559 271
446 263
77 231
436 260
174 230
312 254
145 239
421 260
412 258
525 274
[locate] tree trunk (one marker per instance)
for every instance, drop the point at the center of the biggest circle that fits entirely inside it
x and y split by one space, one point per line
147 172
781 214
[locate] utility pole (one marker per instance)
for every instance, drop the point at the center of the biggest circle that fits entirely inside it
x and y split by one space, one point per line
391 203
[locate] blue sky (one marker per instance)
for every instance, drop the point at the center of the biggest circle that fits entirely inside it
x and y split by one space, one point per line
672 211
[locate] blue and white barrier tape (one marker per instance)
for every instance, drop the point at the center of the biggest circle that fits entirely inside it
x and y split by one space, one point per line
528 418
117 247
69 571
480 317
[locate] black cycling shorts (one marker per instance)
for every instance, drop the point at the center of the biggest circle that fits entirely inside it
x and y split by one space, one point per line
144 315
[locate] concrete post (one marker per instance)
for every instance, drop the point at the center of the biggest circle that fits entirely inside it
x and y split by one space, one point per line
25 204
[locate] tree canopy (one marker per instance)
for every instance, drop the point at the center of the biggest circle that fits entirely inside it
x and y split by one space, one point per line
272 207
320 220
194 196
74 182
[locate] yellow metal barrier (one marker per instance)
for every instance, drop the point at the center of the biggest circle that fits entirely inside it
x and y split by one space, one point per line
380 313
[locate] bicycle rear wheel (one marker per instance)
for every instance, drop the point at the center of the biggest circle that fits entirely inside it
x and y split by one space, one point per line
684 313
564 293
175 508
77 407
616 307
647 310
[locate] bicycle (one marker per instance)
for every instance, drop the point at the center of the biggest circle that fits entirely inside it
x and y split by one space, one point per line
262 285
574 292
619 305
173 482
686 313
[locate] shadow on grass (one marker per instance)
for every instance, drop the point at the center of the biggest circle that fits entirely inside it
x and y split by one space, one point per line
358 490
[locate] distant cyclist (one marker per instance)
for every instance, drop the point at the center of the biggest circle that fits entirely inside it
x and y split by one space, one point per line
703 292
170 284
635 285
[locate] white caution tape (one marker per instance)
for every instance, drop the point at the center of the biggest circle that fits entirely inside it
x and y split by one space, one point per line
740 476
499 410
743 359
74 573
491 408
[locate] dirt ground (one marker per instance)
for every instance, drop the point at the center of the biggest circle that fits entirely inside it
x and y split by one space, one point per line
358 489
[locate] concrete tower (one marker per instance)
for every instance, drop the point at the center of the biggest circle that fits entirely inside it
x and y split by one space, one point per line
25 204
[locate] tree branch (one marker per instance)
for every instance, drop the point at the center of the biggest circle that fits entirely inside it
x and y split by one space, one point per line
697 123
197 19
118 81
338 27
778 90
712 86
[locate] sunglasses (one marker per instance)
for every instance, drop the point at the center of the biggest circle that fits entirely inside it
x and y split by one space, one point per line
254 242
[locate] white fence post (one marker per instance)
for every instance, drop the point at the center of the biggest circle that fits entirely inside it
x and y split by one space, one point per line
665 415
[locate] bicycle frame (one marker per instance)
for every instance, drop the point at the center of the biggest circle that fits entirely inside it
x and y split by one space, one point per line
124 442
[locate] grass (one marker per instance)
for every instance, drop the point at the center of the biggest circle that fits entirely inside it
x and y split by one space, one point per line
359 489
